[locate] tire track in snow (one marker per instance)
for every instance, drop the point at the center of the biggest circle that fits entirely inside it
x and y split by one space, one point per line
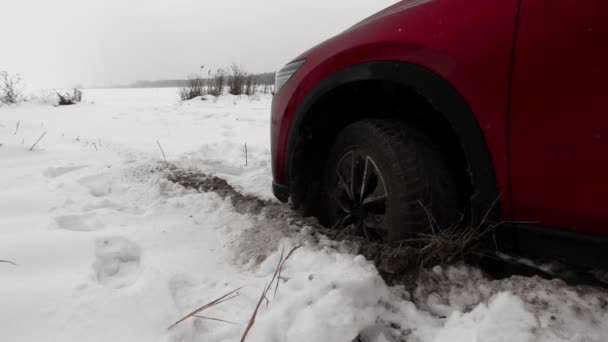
398 264
441 291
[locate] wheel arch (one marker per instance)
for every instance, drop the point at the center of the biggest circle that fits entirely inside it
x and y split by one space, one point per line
412 85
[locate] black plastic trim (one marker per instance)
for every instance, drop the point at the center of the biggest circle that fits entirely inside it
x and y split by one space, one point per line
539 241
281 192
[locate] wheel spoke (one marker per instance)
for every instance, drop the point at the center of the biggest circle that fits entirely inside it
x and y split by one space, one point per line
375 204
343 203
365 232
341 222
348 220
370 179
342 166
352 175
364 180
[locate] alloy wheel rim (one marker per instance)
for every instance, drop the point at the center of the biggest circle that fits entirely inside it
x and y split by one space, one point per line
359 196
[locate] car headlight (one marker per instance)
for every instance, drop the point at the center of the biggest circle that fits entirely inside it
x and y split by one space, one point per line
283 75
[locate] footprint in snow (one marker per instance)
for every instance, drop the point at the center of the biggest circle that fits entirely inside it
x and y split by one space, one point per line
98 185
81 223
53 172
117 261
107 204
178 285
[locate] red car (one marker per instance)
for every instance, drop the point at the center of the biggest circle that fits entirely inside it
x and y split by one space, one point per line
452 111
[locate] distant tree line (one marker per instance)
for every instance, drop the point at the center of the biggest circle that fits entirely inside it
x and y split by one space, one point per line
235 80
261 79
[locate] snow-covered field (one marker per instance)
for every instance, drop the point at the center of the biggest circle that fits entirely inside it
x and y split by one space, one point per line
107 249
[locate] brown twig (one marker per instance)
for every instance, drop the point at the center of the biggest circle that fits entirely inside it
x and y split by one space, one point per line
267 289
9 262
215 302
37 141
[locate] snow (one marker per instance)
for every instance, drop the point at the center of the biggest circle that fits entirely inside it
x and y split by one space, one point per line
504 313
107 249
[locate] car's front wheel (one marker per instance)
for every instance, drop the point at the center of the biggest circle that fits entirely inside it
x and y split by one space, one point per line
387 180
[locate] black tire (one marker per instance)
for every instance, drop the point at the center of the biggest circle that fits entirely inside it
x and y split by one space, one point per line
398 160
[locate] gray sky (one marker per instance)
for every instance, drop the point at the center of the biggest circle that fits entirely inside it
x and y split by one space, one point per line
62 43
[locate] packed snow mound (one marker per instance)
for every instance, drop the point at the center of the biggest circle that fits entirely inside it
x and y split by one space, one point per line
108 248
561 312
503 319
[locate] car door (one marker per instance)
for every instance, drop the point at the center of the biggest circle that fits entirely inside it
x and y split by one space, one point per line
558 121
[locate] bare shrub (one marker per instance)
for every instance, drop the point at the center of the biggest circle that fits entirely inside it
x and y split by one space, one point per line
217 82
251 85
194 87
77 95
67 99
237 80
10 88
267 80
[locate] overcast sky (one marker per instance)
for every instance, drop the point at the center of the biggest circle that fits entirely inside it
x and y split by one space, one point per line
63 43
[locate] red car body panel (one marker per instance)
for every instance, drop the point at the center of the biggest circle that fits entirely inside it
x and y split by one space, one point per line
471 44
467 43
559 117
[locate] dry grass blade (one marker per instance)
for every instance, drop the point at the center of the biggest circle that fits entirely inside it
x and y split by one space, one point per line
430 218
445 245
214 319
276 288
37 141
161 151
213 303
255 313
487 214
225 300
267 288
8 262
278 273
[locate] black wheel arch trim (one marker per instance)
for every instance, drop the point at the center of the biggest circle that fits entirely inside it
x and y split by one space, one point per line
442 97
280 191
